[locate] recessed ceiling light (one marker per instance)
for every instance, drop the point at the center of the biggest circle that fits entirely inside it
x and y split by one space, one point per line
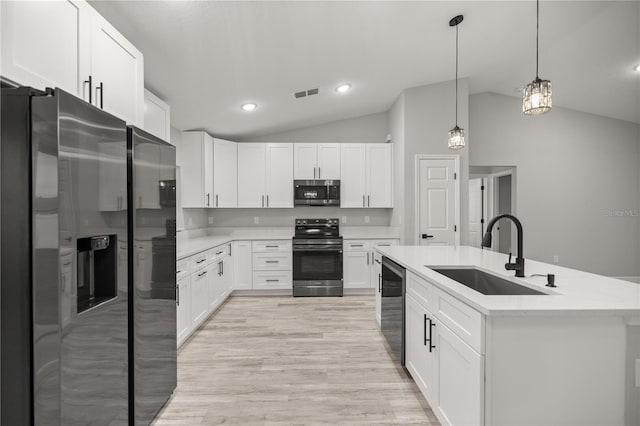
249 107
636 68
343 88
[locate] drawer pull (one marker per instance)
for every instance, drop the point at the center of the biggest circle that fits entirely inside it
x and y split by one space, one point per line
272 281
200 261
356 245
220 252
179 271
272 246
383 245
203 273
271 261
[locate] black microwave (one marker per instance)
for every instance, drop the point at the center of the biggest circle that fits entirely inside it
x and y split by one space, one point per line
316 192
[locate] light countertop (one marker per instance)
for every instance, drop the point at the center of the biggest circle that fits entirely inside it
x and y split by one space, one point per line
576 292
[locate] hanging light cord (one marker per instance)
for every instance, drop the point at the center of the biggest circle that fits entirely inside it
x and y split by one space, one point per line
537 32
457 75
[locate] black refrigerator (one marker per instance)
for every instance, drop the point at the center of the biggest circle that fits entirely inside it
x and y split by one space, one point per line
73 339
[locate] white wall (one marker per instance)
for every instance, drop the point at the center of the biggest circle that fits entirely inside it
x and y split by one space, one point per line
428 114
396 128
365 129
577 186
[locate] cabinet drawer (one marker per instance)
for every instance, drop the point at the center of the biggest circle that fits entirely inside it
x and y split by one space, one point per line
263 280
384 243
271 261
356 245
462 319
183 269
272 246
199 261
421 290
217 253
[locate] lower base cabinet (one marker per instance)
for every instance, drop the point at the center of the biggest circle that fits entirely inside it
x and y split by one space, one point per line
199 297
183 311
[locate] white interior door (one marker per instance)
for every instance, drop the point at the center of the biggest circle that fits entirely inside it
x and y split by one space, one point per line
475 212
305 161
437 202
328 161
251 175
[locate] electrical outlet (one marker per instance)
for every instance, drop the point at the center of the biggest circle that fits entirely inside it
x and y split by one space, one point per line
638 373
366 219
344 219
190 221
210 220
556 258
256 220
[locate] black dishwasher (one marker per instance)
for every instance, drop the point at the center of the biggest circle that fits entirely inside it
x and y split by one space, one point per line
393 288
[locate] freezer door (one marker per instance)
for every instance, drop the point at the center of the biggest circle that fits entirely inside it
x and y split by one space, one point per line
152 173
80 337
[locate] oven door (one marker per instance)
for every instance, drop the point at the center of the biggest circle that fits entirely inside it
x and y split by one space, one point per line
316 264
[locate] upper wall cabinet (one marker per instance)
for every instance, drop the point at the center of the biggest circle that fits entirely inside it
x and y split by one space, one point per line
67 44
157 116
316 161
197 169
366 175
265 175
225 173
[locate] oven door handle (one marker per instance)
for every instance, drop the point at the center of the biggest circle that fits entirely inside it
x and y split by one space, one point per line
318 250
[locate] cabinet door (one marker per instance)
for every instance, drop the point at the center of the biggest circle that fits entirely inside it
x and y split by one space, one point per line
198 297
46 44
225 173
112 173
147 175
328 161
379 175
376 282
356 266
214 282
459 373
118 73
197 169
207 165
279 175
227 277
241 253
157 116
352 175
183 314
305 161
419 361
251 174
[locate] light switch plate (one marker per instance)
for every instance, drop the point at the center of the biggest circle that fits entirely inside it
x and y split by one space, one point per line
256 220
556 258
344 219
366 219
210 220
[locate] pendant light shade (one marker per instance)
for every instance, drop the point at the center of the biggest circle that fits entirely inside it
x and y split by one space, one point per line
456 135
536 96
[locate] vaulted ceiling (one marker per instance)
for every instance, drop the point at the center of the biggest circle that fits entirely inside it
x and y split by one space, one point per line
206 58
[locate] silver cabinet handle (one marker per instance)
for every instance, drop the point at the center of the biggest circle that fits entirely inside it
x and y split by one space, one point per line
319 173
363 201
216 200
272 246
368 200
368 258
267 200
263 201
200 261
177 295
219 252
178 271
220 269
356 245
203 273
90 81
314 172
271 261
101 89
272 281
207 199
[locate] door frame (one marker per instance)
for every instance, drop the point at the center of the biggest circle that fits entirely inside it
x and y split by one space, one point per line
494 200
420 157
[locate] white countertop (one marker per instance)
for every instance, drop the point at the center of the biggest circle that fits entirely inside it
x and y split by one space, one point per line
207 238
576 291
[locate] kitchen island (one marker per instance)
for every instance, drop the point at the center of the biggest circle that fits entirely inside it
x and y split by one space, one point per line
567 356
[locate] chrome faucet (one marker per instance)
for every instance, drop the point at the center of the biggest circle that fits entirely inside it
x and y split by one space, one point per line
518 266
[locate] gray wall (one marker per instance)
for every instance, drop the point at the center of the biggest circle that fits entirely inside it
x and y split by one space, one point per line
577 186
286 217
421 119
366 129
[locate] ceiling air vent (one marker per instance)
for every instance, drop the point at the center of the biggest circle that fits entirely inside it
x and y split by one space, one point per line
304 93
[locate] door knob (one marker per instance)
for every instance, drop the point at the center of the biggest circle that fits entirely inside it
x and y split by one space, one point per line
425 236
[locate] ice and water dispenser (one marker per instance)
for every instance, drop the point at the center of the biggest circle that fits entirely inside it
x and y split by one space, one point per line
97 279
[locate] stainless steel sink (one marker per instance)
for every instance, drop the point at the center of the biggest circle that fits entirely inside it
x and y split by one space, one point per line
484 282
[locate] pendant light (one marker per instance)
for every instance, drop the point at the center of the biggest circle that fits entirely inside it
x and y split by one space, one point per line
536 96
456 135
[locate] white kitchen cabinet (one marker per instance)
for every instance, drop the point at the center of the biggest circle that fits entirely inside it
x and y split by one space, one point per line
183 311
279 179
356 269
458 379
379 175
265 175
117 68
316 161
68 44
419 359
199 297
272 280
47 44
252 170
272 265
157 116
225 173
376 280
366 175
227 277
242 265
197 170
213 286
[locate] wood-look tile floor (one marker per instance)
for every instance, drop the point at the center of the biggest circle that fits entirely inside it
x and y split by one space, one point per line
285 361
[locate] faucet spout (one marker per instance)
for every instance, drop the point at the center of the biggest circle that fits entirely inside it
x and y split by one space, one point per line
518 266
